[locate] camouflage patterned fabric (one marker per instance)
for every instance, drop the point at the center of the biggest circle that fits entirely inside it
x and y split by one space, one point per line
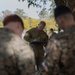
16 56
38 48
61 53
53 34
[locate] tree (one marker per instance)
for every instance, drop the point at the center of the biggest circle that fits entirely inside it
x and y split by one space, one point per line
30 23
69 3
43 14
5 13
0 17
36 3
52 6
47 14
21 13
21 0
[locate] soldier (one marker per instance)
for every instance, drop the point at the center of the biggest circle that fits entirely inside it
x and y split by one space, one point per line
59 30
61 48
16 56
37 35
52 33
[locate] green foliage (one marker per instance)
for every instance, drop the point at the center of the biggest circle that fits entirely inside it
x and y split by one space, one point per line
32 23
21 13
1 24
37 3
43 14
51 9
4 13
42 3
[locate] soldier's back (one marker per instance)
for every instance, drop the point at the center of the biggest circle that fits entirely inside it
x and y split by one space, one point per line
61 53
16 56
66 40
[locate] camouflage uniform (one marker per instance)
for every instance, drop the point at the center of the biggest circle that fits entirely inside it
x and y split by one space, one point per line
61 53
16 56
52 34
38 48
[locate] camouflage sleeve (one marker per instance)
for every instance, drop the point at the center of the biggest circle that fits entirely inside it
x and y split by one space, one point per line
53 55
26 60
44 38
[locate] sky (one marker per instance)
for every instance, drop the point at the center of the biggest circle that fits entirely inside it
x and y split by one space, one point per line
12 5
